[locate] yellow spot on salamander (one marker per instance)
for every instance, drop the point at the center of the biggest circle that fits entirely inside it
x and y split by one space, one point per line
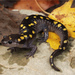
51 64
47 18
51 56
34 16
21 34
32 23
41 17
24 27
29 25
35 22
33 32
19 40
22 38
65 41
59 25
25 36
55 22
10 38
64 29
63 48
26 17
30 35
25 31
60 48
21 25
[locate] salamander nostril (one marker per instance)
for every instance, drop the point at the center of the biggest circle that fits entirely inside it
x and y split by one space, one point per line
9 41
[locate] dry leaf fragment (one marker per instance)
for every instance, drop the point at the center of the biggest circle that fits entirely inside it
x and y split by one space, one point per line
66 15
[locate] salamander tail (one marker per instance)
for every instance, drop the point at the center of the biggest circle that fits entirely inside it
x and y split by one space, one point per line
54 54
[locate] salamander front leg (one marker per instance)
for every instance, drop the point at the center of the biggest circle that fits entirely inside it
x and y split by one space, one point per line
32 52
32 47
13 49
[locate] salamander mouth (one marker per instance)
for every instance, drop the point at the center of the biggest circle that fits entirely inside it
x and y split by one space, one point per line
9 43
5 43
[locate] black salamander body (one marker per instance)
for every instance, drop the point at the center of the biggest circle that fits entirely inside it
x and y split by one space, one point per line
34 24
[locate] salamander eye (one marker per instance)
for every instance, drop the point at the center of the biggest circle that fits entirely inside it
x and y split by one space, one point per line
10 41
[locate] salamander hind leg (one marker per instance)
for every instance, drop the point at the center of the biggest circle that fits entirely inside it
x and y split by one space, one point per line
45 36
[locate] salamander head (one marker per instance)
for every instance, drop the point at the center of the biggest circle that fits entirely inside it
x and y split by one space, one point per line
11 40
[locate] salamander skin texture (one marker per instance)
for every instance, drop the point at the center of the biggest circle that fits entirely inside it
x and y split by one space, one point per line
30 27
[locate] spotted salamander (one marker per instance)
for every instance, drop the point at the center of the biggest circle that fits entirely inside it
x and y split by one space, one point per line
30 27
